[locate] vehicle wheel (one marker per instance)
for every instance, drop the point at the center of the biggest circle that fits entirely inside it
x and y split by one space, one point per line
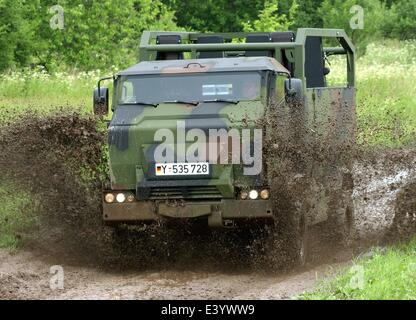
404 221
288 236
339 229
293 230
120 238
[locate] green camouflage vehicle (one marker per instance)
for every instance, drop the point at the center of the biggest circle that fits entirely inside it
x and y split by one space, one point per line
234 129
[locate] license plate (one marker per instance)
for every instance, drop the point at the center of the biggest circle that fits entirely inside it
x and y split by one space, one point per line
182 169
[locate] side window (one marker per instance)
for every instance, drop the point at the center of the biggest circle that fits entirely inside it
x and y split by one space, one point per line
127 92
277 91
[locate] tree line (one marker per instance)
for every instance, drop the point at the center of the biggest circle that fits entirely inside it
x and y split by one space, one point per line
87 34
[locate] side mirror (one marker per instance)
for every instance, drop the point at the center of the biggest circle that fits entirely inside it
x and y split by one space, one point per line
100 101
294 90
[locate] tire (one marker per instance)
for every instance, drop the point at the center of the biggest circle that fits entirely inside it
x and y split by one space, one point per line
339 229
120 238
293 232
286 241
404 221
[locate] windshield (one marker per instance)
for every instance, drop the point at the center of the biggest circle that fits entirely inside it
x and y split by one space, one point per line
159 88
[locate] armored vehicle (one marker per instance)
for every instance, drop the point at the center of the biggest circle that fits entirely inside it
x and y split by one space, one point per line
233 129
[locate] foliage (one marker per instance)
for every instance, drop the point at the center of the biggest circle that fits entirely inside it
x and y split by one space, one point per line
307 15
215 15
270 20
36 89
95 34
337 14
400 23
17 36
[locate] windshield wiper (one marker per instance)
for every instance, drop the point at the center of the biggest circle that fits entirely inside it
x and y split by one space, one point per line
138 103
184 102
222 100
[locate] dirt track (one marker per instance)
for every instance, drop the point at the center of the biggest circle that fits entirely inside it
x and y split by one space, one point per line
27 276
379 179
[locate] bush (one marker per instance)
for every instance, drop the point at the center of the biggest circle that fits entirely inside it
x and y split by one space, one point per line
401 20
270 20
95 34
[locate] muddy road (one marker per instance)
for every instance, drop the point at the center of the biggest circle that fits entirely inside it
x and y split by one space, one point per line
381 181
27 276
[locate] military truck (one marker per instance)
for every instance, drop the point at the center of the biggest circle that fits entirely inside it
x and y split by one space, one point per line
299 133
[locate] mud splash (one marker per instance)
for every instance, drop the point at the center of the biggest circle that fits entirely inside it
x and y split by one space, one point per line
384 195
59 161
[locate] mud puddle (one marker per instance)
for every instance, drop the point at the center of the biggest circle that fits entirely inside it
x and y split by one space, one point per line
27 276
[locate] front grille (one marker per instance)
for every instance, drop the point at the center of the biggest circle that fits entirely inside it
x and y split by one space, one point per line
196 192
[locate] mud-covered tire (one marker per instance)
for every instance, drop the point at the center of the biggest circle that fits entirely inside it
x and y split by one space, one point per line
293 232
287 238
128 240
338 230
285 242
404 221
120 238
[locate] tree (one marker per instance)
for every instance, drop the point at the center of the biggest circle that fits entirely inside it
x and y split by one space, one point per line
401 20
343 14
99 34
307 15
215 15
270 20
17 34
95 34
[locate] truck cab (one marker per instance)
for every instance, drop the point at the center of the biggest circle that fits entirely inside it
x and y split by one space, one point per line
207 95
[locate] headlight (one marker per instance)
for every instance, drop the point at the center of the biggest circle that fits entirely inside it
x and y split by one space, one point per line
265 194
253 194
243 195
109 198
130 198
120 197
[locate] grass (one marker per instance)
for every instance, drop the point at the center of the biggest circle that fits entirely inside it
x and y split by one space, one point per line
386 94
36 90
387 275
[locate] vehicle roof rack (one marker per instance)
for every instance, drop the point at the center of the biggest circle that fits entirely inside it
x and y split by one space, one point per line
292 49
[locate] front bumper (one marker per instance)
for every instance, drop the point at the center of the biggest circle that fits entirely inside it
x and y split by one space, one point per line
219 212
